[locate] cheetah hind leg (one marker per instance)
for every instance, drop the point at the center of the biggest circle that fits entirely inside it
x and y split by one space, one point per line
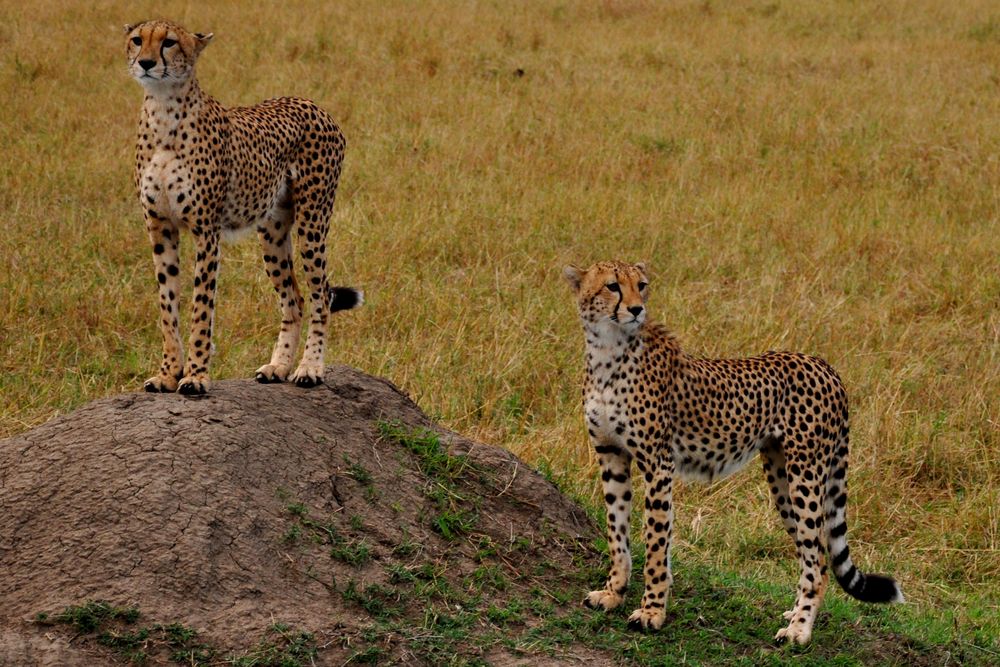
313 206
195 384
773 457
162 384
310 373
810 544
603 600
276 242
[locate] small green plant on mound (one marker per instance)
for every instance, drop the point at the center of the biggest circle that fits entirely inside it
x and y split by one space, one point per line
114 627
90 616
432 458
354 552
185 648
369 655
105 622
362 476
381 602
358 473
443 471
450 524
512 612
487 578
282 646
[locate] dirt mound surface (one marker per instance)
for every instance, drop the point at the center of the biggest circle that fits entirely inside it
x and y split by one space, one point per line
270 518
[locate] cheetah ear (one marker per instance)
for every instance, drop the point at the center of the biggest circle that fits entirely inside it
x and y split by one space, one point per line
201 40
574 276
129 27
642 268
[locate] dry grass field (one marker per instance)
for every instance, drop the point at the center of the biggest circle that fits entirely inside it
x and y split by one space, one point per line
814 176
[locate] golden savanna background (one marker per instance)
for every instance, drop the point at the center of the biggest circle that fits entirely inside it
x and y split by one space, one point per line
813 176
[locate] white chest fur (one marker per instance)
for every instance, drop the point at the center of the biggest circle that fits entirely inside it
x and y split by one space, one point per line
604 415
164 184
604 404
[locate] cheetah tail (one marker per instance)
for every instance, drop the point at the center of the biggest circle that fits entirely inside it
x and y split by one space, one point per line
343 298
857 584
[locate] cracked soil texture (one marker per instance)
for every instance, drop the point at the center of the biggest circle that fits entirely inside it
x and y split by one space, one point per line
179 506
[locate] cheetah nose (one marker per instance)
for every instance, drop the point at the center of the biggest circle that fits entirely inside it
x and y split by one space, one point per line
635 310
147 64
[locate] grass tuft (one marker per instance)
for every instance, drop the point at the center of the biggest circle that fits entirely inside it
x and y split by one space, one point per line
452 517
106 623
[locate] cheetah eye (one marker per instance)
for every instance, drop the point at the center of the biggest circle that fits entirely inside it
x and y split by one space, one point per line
614 287
167 43
642 285
137 41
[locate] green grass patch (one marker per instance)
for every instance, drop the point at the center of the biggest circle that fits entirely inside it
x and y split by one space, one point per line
432 457
380 602
359 473
281 646
354 553
721 618
90 616
115 628
451 517
305 528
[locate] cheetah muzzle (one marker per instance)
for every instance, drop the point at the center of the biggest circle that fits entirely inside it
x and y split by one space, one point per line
213 171
674 415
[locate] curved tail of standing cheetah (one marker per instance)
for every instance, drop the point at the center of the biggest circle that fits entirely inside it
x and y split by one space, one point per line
857 584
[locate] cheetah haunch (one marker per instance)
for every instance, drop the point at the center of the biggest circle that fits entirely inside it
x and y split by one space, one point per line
215 171
675 415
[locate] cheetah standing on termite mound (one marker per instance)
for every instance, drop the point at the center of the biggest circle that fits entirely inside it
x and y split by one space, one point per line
213 171
648 401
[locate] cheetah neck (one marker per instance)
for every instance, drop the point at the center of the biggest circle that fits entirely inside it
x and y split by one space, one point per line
165 108
608 345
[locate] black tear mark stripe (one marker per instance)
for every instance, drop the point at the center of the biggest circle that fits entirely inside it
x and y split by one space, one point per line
163 58
621 295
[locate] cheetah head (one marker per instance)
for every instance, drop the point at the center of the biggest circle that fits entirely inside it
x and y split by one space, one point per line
161 53
610 294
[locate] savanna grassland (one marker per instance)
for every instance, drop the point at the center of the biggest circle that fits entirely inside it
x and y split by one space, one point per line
822 177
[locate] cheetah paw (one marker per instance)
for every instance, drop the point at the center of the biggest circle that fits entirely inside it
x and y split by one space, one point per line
163 384
271 373
193 385
603 599
308 376
647 619
796 633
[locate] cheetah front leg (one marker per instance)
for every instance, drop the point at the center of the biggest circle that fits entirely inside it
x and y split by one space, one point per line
163 236
195 380
616 481
658 521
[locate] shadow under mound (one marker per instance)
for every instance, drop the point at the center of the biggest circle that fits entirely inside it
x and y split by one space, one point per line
329 511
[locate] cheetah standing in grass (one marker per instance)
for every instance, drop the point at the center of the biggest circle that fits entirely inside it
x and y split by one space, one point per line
214 171
675 415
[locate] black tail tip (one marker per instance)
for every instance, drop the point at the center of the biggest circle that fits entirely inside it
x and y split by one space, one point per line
878 588
344 298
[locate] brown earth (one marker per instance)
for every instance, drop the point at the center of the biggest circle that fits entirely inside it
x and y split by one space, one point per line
268 503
